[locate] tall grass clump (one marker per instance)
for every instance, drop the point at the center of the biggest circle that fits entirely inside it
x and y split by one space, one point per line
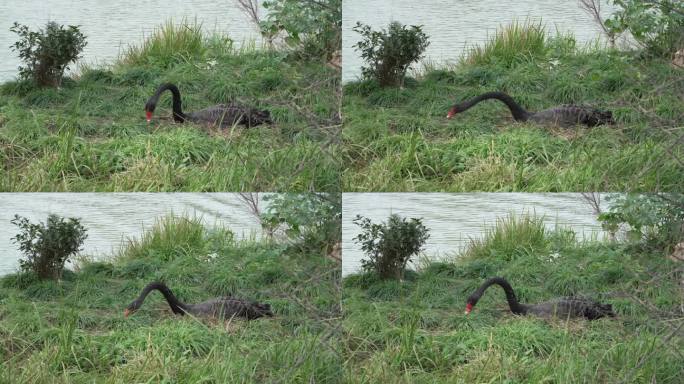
515 43
174 236
514 236
170 43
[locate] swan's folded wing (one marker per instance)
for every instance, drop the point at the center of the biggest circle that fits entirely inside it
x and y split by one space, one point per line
221 114
229 307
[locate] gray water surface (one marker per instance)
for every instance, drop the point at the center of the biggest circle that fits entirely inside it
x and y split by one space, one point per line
110 26
112 218
454 25
454 219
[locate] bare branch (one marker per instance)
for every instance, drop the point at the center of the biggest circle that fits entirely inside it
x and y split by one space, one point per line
250 8
594 200
593 8
251 200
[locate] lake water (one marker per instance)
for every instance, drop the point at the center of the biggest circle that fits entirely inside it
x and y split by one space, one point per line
110 26
112 218
453 25
454 219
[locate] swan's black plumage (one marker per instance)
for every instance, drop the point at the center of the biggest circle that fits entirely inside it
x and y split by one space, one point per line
221 115
566 307
224 307
563 116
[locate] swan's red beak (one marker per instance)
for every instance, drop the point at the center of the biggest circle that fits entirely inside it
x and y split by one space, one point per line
149 116
451 113
469 307
127 311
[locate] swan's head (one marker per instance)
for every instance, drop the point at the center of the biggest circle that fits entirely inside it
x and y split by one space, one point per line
470 303
131 308
452 112
149 110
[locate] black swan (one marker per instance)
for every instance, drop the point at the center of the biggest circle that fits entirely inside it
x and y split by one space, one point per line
563 116
562 308
225 307
222 115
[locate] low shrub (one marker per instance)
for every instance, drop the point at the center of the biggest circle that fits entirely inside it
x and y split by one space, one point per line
654 221
389 246
658 26
49 245
312 28
389 53
47 53
311 222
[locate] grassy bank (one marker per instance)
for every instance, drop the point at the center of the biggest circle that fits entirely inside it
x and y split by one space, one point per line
399 139
74 331
91 134
415 331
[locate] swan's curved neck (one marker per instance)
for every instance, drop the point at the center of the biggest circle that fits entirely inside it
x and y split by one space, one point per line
178 114
513 303
518 112
176 305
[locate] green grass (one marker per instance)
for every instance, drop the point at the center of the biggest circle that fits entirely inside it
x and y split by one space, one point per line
74 331
91 134
399 139
415 331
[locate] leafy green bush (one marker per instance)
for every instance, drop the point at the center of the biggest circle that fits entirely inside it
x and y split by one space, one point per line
657 25
390 52
311 221
389 246
651 220
314 28
48 246
47 53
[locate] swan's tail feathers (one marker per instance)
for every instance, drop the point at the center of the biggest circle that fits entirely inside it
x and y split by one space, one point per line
598 310
600 117
606 117
264 309
608 310
258 117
